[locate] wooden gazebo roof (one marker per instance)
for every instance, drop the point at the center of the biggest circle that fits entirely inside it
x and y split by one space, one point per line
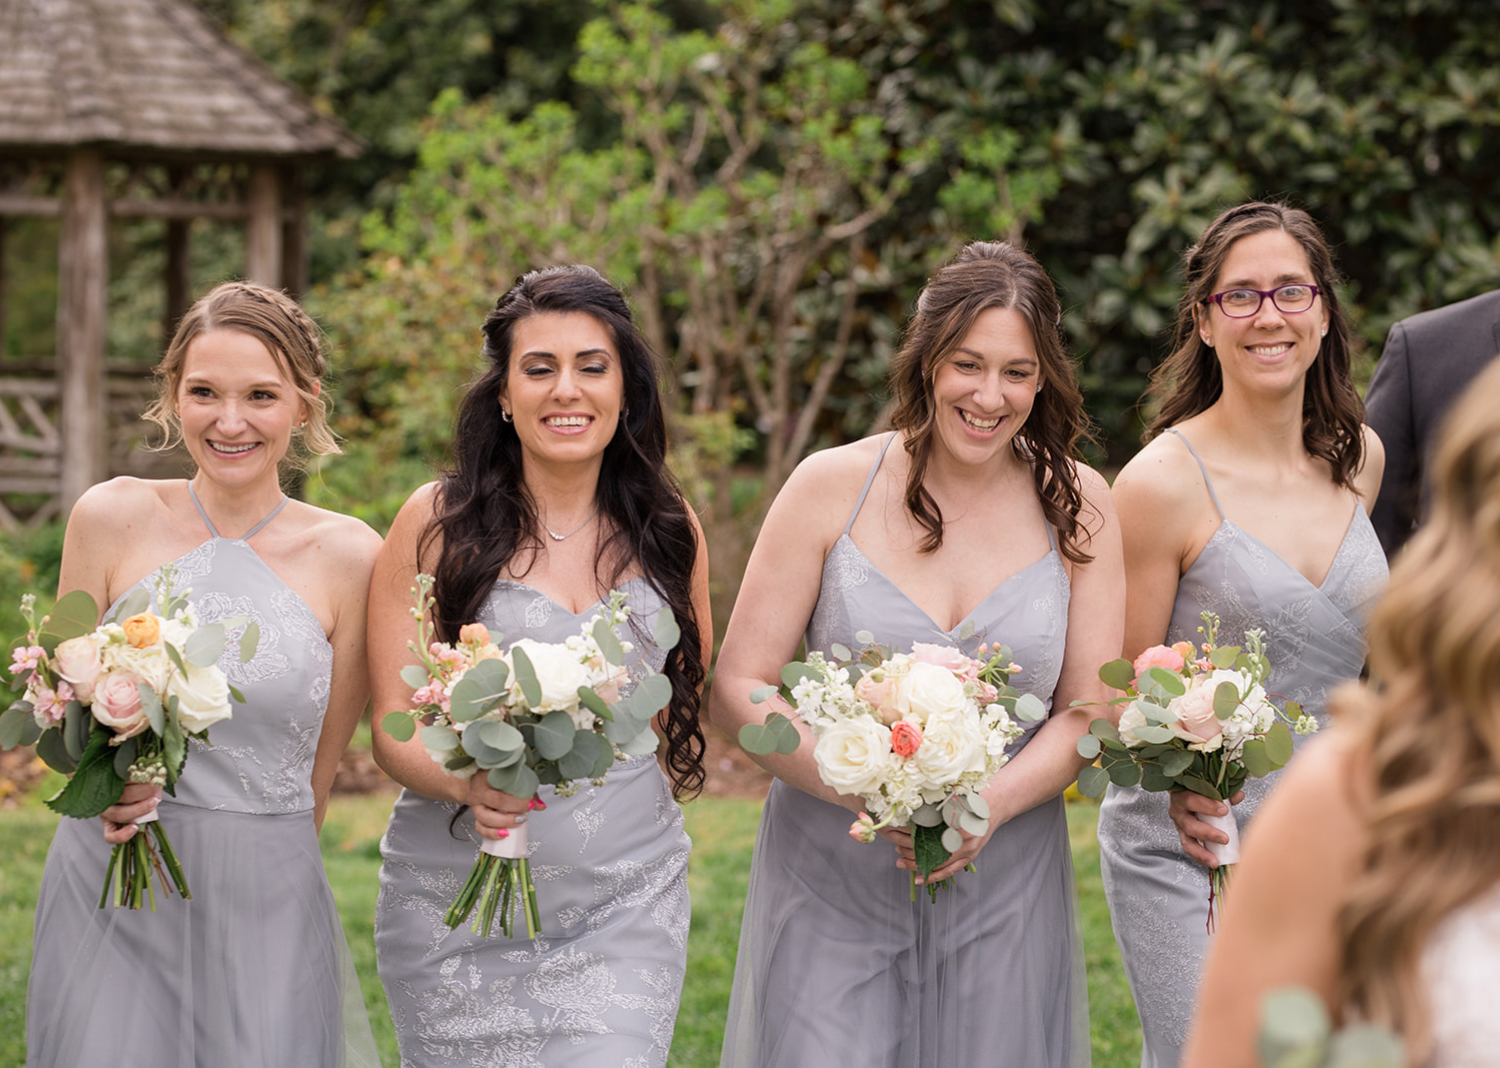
145 77
144 109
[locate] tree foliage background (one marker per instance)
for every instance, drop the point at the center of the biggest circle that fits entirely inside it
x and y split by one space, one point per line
772 181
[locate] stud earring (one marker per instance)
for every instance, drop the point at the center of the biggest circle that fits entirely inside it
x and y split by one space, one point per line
1325 332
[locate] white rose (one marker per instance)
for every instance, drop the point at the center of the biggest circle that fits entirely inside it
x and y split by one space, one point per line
1130 719
150 663
557 671
928 690
202 697
951 748
854 755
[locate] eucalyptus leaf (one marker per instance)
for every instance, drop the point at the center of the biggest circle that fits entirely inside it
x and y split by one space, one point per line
864 637
497 734
531 687
1151 733
643 743
973 824
1279 744
666 634
1104 730
518 780
457 762
54 753
1292 1019
761 694
77 726
482 687
953 840
927 816
173 749
1117 674
439 739
1092 781
74 614
156 715
584 759
1089 747
1123 773
651 695
626 726
1176 762
399 725
13 724
554 735
204 646
594 703
414 675
788 738
249 642
136 601
840 651
1030 708
1200 786
234 693
1224 657
1253 755
1226 699
795 672
125 754
757 739
608 644
1166 681
977 805
174 656
1154 713
1154 780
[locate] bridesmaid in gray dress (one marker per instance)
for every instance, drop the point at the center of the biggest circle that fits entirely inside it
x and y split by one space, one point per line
1252 505
972 522
558 493
254 970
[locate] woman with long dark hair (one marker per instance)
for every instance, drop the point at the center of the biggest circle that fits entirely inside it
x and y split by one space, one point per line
973 522
558 493
1250 500
1394 912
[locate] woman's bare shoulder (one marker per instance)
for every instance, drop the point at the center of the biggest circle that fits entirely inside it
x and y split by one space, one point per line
1163 475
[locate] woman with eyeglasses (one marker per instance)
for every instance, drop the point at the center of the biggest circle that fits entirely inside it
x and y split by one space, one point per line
1250 500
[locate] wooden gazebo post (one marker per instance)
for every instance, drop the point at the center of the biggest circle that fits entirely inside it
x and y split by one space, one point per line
82 269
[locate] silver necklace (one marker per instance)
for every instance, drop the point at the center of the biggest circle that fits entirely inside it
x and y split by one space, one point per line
555 536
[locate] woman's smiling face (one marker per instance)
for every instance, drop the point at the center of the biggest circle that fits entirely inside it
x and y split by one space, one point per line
564 387
984 390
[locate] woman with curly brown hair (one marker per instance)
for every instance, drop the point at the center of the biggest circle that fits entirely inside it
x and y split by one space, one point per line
1373 874
1250 500
972 522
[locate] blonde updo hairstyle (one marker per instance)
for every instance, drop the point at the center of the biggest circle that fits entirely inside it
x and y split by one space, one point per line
1428 731
277 322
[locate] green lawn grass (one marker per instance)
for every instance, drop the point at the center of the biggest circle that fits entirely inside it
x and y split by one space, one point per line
723 832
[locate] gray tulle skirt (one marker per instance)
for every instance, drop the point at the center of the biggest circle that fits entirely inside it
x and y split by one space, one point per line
253 972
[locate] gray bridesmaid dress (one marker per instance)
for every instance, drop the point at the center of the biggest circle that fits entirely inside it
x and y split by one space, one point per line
837 965
254 971
598 987
1158 897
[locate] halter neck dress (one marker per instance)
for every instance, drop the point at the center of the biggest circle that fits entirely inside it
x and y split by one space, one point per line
837 965
254 971
598 987
1158 897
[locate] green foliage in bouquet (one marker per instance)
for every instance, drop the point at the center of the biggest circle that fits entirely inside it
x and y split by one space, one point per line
1296 1033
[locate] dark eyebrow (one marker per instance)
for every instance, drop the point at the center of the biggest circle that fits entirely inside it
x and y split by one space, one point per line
1279 280
581 353
1019 361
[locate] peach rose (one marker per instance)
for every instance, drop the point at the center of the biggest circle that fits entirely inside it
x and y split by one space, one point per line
1162 656
117 704
881 694
77 661
142 630
1184 650
474 634
906 738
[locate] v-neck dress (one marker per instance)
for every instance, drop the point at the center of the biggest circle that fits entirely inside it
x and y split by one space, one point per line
837 965
598 987
254 971
1158 897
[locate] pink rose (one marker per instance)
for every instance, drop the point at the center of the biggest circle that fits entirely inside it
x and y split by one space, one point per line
906 738
944 656
1196 721
1162 656
77 660
881 694
117 704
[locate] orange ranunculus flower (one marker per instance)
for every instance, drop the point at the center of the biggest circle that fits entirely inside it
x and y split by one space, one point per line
142 630
473 634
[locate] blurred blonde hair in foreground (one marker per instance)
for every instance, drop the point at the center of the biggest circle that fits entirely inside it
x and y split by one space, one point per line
1428 730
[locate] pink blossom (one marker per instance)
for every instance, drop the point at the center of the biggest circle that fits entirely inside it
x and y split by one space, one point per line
48 706
906 738
862 830
987 693
1162 656
77 661
434 693
26 658
448 657
945 656
117 703
1196 721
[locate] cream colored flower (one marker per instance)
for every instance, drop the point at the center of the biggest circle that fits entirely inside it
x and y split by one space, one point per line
854 755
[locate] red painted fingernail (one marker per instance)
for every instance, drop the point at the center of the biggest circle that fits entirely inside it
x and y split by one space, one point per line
536 803
502 833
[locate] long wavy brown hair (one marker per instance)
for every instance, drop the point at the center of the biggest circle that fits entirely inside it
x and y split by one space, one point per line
993 274
1428 732
1190 380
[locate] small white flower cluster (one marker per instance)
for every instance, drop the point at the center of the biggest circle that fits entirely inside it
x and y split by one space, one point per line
914 729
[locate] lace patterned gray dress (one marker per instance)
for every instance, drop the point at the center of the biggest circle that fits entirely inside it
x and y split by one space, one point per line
837 965
1158 897
254 971
598 987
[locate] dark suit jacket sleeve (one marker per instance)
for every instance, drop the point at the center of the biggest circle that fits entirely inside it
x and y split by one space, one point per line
1388 410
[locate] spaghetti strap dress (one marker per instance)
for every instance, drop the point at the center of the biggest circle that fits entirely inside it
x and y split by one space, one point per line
837 965
1158 897
254 971
599 985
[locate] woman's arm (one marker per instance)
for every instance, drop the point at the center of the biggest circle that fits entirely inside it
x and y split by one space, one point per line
776 599
349 549
1368 478
1280 916
1096 613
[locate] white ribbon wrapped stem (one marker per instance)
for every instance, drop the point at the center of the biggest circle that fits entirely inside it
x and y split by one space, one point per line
1224 853
511 847
150 817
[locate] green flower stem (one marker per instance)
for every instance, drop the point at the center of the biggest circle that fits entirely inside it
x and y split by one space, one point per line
174 868
109 872
491 900
459 910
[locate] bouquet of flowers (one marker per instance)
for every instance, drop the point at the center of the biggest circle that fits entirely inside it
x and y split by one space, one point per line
534 714
115 704
1194 719
914 735
1297 1033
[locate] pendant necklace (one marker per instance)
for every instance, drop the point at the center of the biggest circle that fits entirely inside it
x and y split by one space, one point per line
555 536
